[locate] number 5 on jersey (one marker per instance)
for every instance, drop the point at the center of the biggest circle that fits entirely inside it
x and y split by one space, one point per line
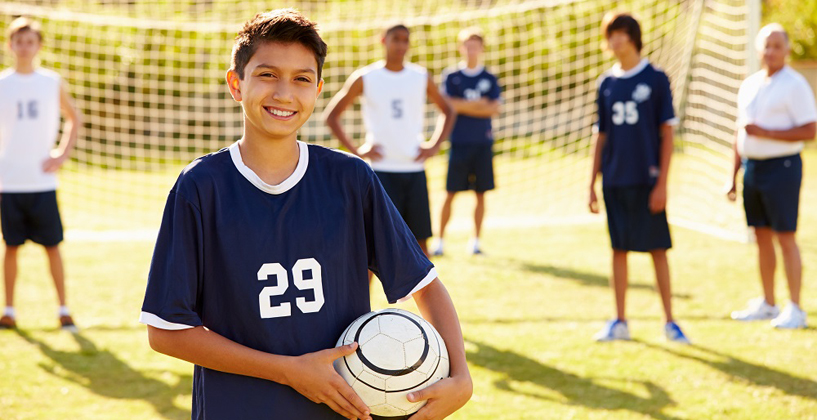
277 272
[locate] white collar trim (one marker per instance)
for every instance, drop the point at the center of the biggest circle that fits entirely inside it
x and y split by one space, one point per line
286 185
471 72
621 74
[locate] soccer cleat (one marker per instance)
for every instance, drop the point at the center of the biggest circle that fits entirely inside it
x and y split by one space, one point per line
615 329
674 333
473 247
756 310
67 324
7 323
792 317
438 249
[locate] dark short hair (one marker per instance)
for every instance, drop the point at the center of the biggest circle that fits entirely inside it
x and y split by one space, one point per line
395 27
281 25
623 22
22 24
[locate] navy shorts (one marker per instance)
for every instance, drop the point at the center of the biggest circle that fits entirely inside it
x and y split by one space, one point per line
33 216
409 193
470 167
771 192
632 226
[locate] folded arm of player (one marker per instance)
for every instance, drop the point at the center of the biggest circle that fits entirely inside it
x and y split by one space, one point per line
449 394
73 120
445 123
805 132
331 116
310 374
481 108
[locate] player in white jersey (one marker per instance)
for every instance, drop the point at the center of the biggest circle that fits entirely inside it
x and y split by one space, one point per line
393 97
31 99
776 114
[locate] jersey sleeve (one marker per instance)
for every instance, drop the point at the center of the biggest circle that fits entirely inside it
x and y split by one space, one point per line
173 289
496 91
393 253
666 111
601 121
801 104
447 87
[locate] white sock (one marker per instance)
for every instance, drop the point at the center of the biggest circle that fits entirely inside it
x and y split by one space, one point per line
439 243
64 311
9 312
475 243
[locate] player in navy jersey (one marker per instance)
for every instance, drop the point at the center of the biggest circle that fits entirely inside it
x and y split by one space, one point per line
474 93
632 151
262 255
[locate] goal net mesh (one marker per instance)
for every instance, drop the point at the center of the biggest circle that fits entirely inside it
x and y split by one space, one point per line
148 77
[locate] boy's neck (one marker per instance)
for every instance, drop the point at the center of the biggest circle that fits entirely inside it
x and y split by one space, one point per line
24 68
629 61
273 160
394 65
472 62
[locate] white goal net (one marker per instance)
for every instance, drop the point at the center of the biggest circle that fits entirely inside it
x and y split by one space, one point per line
148 75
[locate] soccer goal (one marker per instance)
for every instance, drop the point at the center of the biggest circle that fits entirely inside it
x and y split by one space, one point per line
149 77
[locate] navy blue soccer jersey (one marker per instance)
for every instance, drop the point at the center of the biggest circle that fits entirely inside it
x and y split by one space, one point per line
462 83
281 269
632 106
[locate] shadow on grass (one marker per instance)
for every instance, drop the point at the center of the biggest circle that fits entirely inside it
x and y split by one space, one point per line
583 277
577 390
103 373
757 374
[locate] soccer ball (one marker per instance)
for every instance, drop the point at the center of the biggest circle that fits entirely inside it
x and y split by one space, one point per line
398 352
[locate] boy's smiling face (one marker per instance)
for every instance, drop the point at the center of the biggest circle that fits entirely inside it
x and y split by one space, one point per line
279 89
25 45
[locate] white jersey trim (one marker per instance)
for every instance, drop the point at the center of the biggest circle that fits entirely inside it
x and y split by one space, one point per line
148 318
621 74
431 276
286 185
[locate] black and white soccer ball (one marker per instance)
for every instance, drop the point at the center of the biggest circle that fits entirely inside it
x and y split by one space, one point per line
398 352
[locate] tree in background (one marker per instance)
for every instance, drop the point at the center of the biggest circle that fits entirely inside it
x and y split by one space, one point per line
799 17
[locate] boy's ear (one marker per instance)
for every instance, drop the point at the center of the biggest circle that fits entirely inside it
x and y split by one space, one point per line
233 83
320 88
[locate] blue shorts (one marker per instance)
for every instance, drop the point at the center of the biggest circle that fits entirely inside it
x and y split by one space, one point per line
470 167
409 193
632 227
771 192
33 216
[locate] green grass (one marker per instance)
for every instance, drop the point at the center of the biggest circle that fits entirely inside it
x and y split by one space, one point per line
528 309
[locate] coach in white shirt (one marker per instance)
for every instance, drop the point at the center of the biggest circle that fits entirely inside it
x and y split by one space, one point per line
776 114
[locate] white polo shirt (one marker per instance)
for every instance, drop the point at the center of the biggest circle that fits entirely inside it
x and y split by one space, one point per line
780 102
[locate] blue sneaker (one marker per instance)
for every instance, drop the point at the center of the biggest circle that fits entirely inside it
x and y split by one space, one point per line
615 329
674 333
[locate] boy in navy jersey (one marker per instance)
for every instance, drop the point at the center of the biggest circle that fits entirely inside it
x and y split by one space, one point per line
474 93
244 224
632 150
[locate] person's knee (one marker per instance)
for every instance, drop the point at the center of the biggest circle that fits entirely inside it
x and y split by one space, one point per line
658 254
12 249
787 241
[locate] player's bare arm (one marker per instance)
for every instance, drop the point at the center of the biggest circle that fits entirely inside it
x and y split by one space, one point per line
481 108
444 124
311 374
331 116
449 394
598 146
805 132
658 196
731 190
73 120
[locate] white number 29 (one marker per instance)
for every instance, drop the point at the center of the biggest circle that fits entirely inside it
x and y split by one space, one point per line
282 284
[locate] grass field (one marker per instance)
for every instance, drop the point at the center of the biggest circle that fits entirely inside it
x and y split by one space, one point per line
528 309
